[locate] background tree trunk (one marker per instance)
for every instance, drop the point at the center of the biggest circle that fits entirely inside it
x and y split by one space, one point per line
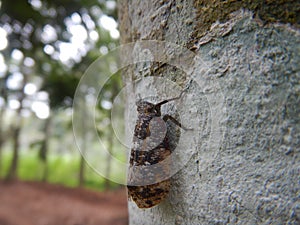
81 175
81 172
108 159
250 95
110 141
43 153
16 136
2 138
13 168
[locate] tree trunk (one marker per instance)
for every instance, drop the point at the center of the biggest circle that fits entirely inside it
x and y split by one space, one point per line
16 131
81 178
110 141
44 148
108 159
81 171
241 161
16 127
2 139
12 172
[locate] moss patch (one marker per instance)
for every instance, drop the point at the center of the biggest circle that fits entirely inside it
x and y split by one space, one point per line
209 11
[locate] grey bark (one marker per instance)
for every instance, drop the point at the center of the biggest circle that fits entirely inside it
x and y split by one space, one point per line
16 136
245 166
81 174
2 139
43 152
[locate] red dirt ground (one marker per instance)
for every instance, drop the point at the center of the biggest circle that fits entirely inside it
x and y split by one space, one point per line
32 203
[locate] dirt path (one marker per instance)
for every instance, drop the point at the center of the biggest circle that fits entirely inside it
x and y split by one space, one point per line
31 203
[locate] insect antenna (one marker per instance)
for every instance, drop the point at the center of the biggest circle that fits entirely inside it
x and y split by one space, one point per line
171 99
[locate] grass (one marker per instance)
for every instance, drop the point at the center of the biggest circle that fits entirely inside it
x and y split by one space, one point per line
62 169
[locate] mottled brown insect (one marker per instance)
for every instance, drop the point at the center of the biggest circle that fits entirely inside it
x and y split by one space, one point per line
149 161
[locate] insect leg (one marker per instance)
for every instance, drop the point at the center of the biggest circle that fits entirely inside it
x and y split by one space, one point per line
169 117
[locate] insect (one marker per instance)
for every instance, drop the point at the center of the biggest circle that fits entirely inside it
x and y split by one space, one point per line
149 161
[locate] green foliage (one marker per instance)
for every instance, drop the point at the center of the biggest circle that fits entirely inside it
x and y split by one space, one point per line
62 169
30 168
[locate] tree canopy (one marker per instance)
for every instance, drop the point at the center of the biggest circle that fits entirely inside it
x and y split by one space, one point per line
49 44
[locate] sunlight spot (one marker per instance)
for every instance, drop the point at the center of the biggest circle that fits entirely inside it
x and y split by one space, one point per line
67 51
104 50
7 27
49 49
17 27
3 67
108 23
76 18
79 34
14 104
28 28
42 96
49 34
96 11
94 35
29 62
27 45
68 21
3 39
30 89
14 81
36 4
114 34
111 4
106 104
88 21
41 109
52 12
17 55
90 99
55 56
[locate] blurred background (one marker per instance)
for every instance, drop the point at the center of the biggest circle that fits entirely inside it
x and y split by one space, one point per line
45 48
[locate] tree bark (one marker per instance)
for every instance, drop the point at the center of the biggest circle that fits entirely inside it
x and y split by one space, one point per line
44 148
243 105
81 175
114 92
2 139
16 131
108 159
81 171
12 172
